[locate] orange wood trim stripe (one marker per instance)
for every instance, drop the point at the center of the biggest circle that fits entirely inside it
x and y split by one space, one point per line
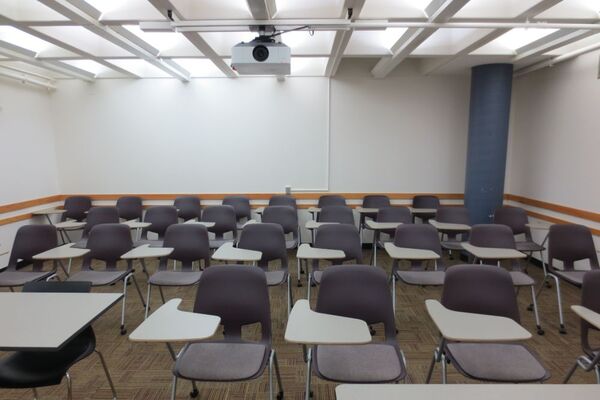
557 221
265 196
29 203
589 215
15 218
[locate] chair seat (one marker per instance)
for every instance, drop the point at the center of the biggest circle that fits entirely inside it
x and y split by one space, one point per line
99 278
291 244
574 277
43 368
81 244
370 363
152 243
528 246
222 361
216 243
452 245
19 278
521 279
496 362
422 278
175 278
275 278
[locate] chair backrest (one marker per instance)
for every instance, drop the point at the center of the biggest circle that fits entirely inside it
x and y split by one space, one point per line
331 200
240 204
418 236
57 287
358 291
453 215
283 200
130 207
285 216
188 207
589 299
76 207
492 235
190 243
425 201
100 215
340 237
569 243
394 214
339 214
161 217
376 201
513 217
267 238
107 242
480 289
223 217
239 295
29 241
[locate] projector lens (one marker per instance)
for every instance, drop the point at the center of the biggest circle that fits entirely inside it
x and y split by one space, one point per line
260 53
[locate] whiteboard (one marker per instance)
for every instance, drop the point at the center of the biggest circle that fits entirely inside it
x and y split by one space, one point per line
207 136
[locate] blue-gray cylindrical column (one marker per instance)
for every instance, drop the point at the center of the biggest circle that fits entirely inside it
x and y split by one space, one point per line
491 86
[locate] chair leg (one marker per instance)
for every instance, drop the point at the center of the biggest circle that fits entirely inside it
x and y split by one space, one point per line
162 295
290 299
108 378
562 329
278 375
148 300
137 288
597 370
394 292
538 325
299 267
307 392
309 284
35 393
11 289
271 375
123 330
144 268
69 387
572 371
173 387
431 366
444 369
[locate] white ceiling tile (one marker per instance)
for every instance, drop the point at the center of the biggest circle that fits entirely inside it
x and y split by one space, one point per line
83 39
141 68
213 9
170 44
309 8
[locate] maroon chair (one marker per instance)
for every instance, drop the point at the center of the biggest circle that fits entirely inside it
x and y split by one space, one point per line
483 289
239 296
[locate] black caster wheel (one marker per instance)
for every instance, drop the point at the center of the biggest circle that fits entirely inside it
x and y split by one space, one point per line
540 331
311 394
562 330
530 307
280 396
299 284
123 330
372 331
194 393
548 285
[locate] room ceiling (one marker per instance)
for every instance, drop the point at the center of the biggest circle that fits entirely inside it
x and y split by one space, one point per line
94 39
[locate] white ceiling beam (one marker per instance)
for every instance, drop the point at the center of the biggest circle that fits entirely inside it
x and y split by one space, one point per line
163 6
66 46
28 56
262 9
85 15
555 60
550 42
432 65
437 11
341 39
26 77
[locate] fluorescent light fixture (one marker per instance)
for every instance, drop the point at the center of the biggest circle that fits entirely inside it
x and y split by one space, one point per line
88 65
141 68
390 36
308 66
163 41
22 39
200 67
519 37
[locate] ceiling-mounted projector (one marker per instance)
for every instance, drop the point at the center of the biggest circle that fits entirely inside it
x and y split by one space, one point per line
261 56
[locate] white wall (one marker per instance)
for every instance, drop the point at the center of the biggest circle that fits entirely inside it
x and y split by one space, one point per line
404 133
209 135
554 138
27 155
555 134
